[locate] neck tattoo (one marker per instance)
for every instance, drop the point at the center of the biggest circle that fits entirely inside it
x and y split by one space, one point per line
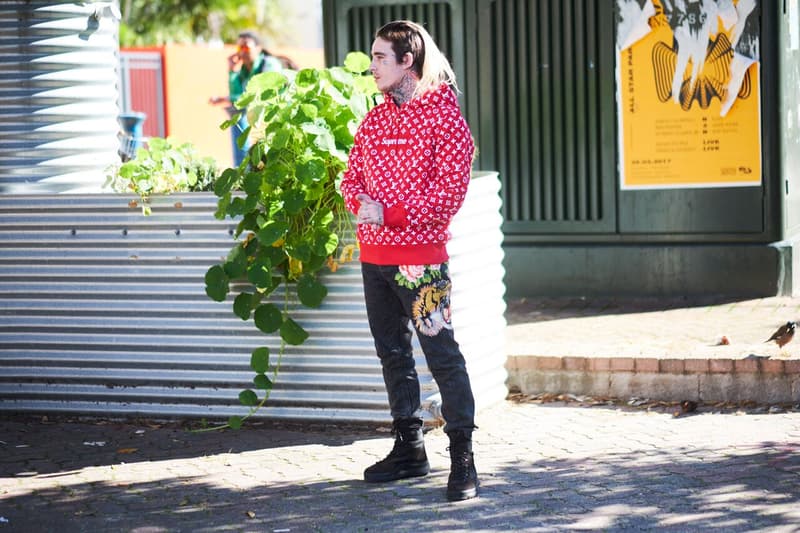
404 90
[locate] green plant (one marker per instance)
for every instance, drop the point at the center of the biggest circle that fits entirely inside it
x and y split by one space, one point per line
162 167
292 215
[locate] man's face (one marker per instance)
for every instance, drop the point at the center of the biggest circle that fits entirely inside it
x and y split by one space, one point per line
386 68
247 50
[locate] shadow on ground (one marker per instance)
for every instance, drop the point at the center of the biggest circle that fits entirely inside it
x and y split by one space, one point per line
98 442
755 489
526 310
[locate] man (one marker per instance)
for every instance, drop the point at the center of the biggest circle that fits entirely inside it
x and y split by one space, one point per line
248 60
407 177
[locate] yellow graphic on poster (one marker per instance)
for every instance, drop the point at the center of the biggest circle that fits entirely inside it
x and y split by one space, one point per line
688 89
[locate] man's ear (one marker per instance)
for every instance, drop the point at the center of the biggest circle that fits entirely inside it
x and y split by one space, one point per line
407 61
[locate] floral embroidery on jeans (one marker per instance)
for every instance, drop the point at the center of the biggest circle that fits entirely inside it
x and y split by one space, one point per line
413 276
431 309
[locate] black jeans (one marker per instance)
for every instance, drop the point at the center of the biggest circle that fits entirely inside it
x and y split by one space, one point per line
420 294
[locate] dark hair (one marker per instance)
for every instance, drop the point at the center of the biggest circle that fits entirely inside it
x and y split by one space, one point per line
429 63
405 39
250 34
286 61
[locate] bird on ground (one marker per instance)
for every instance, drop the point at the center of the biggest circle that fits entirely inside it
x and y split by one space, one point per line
784 334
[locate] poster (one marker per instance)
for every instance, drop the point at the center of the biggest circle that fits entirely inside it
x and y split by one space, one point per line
688 93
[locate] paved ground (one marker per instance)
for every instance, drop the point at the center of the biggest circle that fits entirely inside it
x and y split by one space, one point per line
544 467
651 327
590 466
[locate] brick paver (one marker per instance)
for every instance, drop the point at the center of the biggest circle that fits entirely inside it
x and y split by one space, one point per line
544 467
595 466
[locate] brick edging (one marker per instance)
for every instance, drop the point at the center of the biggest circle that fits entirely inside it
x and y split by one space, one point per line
652 365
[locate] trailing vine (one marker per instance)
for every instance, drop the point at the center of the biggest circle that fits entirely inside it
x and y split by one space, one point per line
285 194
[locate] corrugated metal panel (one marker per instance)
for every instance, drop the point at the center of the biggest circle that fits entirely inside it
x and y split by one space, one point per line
354 23
58 97
104 311
142 88
547 75
363 20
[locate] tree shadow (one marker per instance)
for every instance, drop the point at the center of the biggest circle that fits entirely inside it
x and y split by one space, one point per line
541 309
691 489
101 442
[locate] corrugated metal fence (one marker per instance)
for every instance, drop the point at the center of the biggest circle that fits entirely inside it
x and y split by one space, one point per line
103 311
58 96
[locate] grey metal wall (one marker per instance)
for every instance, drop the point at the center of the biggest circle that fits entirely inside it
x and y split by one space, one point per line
103 311
539 95
547 112
58 96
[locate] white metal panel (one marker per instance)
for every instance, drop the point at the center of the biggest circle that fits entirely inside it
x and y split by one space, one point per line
58 96
103 310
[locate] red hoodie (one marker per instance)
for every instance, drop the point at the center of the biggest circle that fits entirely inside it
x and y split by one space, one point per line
416 160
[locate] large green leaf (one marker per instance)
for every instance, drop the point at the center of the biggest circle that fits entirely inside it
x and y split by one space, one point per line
262 382
243 305
259 360
308 77
307 112
226 181
248 398
325 242
267 81
259 273
310 291
310 171
252 182
293 333
272 231
222 206
236 265
357 62
343 135
294 200
241 140
217 283
275 174
268 317
300 250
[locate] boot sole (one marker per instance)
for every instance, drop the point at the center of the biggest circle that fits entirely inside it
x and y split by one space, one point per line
413 471
460 495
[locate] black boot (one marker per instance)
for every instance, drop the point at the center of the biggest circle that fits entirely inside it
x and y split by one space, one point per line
407 458
463 481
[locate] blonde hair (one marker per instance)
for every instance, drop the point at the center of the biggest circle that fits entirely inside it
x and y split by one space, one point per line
429 63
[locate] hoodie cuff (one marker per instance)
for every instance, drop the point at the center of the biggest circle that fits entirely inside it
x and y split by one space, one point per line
395 216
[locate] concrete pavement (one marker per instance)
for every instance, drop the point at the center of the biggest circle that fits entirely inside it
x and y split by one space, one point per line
709 349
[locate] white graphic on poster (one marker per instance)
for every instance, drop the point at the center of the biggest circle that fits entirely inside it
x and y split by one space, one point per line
633 24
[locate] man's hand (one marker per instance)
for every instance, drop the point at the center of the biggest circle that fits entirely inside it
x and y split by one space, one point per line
370 212
233 60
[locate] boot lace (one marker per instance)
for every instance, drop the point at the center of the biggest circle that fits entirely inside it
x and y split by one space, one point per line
460 461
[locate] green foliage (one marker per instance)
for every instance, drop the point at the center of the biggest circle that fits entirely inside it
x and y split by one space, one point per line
162 167
285 195
153 22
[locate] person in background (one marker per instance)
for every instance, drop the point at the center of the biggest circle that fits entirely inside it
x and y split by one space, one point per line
248 60
407 176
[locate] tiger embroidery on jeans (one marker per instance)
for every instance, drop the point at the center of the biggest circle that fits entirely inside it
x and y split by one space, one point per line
431 309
